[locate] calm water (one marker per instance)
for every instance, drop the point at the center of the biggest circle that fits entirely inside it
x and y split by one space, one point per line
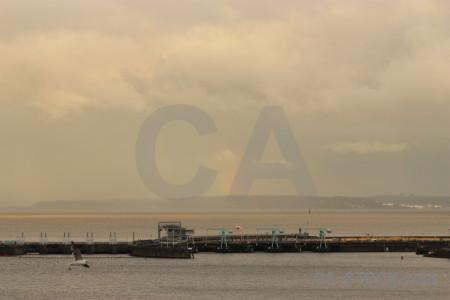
229 276
395 222
222 276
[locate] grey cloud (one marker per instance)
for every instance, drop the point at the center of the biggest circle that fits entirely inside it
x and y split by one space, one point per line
342 70
332 55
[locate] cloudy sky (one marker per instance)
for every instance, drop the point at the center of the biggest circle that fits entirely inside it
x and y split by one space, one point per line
364 85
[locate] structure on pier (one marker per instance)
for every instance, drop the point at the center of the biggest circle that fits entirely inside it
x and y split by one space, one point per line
322 240
173 245
223 236
175 234
275 232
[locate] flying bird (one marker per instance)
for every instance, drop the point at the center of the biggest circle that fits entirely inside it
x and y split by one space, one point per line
79 261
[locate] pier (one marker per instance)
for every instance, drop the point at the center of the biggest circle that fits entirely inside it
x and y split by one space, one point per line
299 243
246 244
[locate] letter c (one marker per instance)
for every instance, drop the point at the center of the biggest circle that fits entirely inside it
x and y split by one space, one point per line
146 151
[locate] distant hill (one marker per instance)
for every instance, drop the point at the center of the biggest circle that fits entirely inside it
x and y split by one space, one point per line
234 204
412 200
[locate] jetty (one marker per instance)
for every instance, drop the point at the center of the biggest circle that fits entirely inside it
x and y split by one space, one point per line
246 244
175 241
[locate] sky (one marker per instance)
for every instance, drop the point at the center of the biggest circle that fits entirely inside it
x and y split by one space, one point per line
364 86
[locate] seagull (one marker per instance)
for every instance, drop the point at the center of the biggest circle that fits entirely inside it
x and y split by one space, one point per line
79 261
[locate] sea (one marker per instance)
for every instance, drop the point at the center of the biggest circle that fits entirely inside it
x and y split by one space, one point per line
305 275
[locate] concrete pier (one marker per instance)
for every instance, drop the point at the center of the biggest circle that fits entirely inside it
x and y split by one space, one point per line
91 248
299 243
248 244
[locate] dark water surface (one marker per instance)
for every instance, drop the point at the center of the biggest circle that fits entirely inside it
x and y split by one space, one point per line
225 276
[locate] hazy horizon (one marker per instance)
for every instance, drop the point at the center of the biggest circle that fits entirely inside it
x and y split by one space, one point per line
252 204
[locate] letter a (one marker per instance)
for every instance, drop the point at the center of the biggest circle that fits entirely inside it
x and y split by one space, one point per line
272 119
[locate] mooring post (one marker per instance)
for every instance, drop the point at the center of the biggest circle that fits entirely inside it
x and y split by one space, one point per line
89 239
66 239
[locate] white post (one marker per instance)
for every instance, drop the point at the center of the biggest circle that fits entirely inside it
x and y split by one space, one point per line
89 239
112 239
66 239
44 239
